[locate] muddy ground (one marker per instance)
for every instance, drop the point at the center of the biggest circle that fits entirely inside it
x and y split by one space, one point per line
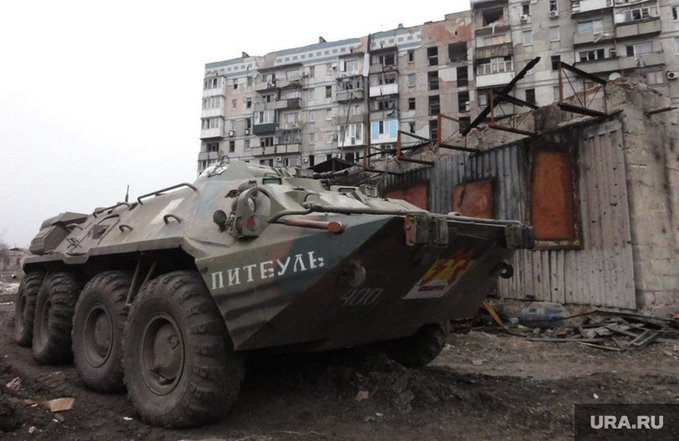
485 385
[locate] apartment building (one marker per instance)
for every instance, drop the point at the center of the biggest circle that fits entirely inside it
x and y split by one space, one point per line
351 98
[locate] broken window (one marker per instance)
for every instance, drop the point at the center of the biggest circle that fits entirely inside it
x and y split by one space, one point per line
457 51
411 56
475 199
464 122
411 126
556 60
525 8
213 147
492 15
433 80
433 55
553 6
463 101
462 76
553 197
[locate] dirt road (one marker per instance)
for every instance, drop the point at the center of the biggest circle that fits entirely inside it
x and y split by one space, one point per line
483 386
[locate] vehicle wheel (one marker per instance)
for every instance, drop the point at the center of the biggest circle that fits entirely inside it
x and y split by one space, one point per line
54 318
180 369
98 328
25 307
420 348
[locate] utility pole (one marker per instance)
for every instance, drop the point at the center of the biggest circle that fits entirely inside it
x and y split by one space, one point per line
366 118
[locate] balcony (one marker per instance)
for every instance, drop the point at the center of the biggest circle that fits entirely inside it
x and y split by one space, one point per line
211 113
494 51
263 151
379 68
597 36
621 63
637 29
263 128
211 133
492 80
283 148
350 95
583 6
342 119
383 90
289 83
265 86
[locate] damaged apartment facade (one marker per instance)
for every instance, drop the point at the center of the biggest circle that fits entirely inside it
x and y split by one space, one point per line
348 99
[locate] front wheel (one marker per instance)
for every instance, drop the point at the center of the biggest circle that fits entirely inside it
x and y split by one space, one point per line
25 307
180 369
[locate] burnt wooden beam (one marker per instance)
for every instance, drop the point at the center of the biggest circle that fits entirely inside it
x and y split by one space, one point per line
581 110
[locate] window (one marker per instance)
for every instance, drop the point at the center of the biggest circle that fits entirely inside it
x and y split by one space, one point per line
594 26
312 160
483 99
328 91
328 113
384 59
553 6
411 56
463 101
556 93
232 146
527 38
433 55
433 80
554 33
457 51
676 45
266 142
639 48
433 129
235 84
525 8
462 76
552 206
490 16
464 121
411 80
675 12
248 103
249 82
556 60
312 116
591 55
312 138
530 96
246 144
213 147
380 128
656 77
494 65
248 123
434 105
351 66
411 126
411 103
312 71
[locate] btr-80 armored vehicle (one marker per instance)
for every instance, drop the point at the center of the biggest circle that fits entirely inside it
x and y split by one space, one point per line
166 294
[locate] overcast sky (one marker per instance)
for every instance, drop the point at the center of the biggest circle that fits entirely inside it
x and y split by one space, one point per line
97 95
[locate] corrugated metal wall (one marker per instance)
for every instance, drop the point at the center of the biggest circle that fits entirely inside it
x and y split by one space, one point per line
601 273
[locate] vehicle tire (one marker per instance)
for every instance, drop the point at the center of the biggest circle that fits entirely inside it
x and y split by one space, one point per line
421 348
180 368
25 307
54 318
98 328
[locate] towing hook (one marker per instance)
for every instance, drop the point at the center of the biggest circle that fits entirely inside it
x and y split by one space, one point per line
504 270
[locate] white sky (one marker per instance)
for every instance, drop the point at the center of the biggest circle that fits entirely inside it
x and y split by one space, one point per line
97 95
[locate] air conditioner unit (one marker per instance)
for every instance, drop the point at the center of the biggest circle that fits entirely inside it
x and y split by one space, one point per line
672 74
524 18
553 13
247 131
231 133
279 159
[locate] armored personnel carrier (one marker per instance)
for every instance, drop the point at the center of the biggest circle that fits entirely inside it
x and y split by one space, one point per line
165 295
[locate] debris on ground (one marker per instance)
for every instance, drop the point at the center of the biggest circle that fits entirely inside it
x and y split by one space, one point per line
55 405
596 329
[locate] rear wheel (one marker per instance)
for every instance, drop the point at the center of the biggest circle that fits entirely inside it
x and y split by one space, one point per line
421 348
25 307
54 318
98 327
180 369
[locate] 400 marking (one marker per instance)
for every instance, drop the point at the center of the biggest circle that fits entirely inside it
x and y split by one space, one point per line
361 296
